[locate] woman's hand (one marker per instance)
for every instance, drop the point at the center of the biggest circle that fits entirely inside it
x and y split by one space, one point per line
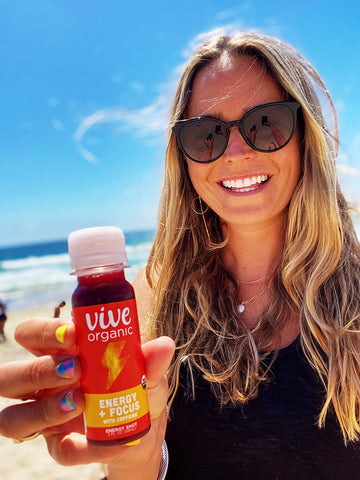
51 382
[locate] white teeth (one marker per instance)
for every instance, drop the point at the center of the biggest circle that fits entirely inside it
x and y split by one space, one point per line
244 182
247 182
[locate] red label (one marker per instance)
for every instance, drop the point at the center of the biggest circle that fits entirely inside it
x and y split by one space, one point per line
113 378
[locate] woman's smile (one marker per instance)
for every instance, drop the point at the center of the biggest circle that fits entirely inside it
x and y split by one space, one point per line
245 184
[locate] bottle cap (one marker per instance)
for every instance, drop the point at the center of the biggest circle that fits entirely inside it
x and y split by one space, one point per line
96 247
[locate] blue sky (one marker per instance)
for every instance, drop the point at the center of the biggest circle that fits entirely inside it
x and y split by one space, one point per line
85 91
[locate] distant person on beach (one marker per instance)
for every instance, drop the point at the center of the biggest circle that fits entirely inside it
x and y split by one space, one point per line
250 301
58 308
3 318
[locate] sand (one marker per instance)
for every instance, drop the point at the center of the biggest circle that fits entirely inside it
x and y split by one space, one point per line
30 460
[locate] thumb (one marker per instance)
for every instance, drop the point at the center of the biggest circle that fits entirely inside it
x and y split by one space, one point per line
157 357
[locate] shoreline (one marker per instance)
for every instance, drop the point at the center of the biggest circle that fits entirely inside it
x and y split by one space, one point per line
30 460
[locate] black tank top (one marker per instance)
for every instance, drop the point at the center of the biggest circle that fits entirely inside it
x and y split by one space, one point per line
273 437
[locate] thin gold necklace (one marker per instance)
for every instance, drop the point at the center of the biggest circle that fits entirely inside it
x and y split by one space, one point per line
251 282
241 306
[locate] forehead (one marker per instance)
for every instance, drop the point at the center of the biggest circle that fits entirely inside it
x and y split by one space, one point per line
232 83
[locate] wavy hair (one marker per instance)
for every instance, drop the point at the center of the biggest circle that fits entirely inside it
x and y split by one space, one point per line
317 274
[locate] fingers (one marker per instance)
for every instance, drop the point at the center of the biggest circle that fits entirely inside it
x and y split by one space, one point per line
74 449
21 379
48 375
42 335
25 419
157 355
58 414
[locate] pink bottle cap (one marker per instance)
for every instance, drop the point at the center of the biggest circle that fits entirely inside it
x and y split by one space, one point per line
96 247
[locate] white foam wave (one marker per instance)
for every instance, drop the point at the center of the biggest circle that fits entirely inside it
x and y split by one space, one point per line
141 247
30 262
30 278
46 279
134 252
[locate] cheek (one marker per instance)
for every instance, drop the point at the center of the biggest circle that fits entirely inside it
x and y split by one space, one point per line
298 164
293 162
198 174
294 173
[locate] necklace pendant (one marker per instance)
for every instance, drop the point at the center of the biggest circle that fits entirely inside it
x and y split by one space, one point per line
241 308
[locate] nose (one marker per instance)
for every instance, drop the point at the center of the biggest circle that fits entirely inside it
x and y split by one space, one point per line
237 147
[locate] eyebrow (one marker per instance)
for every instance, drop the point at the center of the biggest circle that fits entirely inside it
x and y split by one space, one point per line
243 111
220 116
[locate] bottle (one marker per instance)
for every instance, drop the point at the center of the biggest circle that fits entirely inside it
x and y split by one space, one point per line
108 338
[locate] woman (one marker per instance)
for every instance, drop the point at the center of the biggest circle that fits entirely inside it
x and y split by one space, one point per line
254 273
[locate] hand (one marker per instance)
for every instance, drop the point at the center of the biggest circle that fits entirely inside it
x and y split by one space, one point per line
56 409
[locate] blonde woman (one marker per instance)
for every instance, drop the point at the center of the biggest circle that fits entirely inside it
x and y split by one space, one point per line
254 274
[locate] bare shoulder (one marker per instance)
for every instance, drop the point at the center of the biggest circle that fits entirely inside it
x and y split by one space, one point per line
144 296
141 285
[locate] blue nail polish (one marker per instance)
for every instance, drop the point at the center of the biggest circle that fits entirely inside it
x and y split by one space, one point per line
65 369
67 402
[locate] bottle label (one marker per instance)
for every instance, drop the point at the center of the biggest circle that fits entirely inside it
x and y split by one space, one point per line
113 378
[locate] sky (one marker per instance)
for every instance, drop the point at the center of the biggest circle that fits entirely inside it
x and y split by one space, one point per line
86 87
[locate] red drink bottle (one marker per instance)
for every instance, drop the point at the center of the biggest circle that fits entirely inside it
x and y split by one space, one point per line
108 338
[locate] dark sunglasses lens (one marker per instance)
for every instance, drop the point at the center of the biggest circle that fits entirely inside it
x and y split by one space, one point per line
203 140
269 127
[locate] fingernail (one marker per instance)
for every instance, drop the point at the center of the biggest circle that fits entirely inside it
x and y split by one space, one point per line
67 402
60 333
65 369
135 442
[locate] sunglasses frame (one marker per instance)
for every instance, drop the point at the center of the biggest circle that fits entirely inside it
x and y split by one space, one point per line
293 106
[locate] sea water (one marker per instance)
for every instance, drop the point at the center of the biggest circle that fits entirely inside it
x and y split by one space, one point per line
37 275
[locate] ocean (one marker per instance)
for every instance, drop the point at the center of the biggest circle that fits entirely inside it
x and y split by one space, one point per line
36 275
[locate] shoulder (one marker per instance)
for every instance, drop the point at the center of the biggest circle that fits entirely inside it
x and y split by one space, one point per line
141 285
144 297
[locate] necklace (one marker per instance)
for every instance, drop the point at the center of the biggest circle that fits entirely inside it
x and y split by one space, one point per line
251 282
241 306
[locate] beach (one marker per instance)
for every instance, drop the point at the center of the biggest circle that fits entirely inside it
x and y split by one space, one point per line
34 278
30 460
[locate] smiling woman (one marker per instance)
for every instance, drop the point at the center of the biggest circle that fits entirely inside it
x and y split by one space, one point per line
250 301
253 255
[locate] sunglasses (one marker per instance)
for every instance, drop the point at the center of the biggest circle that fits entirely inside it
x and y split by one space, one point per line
265 128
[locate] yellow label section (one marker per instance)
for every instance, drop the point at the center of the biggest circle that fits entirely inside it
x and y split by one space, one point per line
112 409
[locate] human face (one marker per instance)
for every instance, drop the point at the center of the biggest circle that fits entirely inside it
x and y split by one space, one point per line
244 187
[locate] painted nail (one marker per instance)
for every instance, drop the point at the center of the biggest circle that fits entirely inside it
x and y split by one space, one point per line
65 369
135 442
60 333
67 402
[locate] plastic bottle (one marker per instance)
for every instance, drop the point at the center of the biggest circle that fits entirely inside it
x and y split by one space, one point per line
108 338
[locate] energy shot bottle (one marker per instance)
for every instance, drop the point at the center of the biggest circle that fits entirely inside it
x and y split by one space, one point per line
108 337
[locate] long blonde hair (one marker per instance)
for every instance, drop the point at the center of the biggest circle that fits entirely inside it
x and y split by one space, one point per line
317 275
